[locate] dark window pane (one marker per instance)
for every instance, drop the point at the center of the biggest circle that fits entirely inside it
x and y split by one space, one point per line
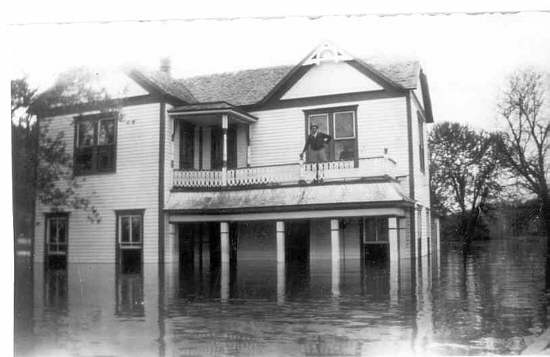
344 150
52 229
84 159
61 230
105 158
106 132
85 133
343 125
382 229
125 229
321 120
136 229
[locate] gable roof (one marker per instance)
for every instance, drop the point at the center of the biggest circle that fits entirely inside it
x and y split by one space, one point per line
249 87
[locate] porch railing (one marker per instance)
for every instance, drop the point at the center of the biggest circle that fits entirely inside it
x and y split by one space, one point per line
287 174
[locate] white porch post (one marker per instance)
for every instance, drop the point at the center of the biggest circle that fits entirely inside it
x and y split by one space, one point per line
281 283
280 232
335 255
224 242
393 240
224 245
225 125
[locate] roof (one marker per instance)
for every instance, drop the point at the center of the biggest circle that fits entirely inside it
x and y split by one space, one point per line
163 83
209 108
249 87
238 88
300 196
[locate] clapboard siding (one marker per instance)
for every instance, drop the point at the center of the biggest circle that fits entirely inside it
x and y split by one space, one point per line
134 185
242 146
421 179
278 136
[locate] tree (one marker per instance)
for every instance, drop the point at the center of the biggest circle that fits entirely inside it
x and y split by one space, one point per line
464 173
42 168
525 142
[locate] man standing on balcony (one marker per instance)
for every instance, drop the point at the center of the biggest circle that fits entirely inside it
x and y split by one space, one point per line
316 141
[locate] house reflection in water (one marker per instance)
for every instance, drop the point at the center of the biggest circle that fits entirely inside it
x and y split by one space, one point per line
459 307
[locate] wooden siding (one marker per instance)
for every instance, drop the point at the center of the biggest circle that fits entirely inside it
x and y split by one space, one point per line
331 78
134 185
421 179
278 136
242 146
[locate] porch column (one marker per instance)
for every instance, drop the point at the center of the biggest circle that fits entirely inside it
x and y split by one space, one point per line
224 271
281 283
280 232
335 255
393 240
225 125
224 242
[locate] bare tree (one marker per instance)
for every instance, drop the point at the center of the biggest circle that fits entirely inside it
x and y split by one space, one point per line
525 142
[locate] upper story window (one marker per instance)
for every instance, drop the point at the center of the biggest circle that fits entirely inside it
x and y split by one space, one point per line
421 153
341 125
95 145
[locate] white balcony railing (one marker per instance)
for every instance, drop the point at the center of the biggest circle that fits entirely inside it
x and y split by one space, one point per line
287 174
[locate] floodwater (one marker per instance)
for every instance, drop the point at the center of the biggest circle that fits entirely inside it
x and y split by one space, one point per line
490 301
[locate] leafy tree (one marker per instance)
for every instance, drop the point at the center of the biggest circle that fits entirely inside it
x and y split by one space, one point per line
42 168
525 142
464 173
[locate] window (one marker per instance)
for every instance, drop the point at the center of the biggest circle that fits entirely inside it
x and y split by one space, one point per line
56 234
95 144
340 124
421 142
376 230
130 231
129 240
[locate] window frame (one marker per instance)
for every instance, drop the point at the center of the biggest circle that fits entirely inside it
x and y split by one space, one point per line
48 217
131 244
330 112
96 148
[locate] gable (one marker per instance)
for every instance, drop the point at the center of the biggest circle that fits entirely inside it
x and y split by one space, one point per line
330 78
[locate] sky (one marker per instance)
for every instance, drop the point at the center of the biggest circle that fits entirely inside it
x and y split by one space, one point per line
466 57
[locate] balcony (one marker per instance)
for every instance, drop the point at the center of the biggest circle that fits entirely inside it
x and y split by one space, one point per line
286 174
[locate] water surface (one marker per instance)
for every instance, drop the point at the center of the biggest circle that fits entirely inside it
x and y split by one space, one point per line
490 301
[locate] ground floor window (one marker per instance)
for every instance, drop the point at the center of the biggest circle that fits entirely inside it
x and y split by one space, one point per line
130 240
57 232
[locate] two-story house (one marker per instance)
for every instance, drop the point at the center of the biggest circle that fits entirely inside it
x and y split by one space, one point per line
207 169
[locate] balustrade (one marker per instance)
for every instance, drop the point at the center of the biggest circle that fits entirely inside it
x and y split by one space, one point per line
287 174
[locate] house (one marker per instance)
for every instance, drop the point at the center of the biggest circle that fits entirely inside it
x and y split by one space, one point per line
207 170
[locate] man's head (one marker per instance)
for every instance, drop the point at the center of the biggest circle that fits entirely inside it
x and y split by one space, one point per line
314 129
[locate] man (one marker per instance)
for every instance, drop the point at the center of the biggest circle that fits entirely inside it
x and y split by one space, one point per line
316 141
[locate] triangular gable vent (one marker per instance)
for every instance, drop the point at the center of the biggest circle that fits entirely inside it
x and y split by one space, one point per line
327 52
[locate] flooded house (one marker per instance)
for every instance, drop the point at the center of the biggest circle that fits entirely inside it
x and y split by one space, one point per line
205 172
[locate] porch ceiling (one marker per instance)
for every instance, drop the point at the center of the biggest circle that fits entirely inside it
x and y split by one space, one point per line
334 196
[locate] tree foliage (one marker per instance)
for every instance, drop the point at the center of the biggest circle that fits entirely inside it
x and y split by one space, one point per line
42 166
464 169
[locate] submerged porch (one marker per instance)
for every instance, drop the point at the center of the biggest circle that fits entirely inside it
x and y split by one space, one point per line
299 246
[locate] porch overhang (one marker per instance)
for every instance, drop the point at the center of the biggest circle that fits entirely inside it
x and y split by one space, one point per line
212 108
346 200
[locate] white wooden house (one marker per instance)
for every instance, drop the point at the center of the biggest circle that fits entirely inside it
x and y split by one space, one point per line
208 166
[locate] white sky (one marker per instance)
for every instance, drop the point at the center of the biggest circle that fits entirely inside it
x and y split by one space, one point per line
465 57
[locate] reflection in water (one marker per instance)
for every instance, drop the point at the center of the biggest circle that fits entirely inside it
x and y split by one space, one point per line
129 295
490 301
